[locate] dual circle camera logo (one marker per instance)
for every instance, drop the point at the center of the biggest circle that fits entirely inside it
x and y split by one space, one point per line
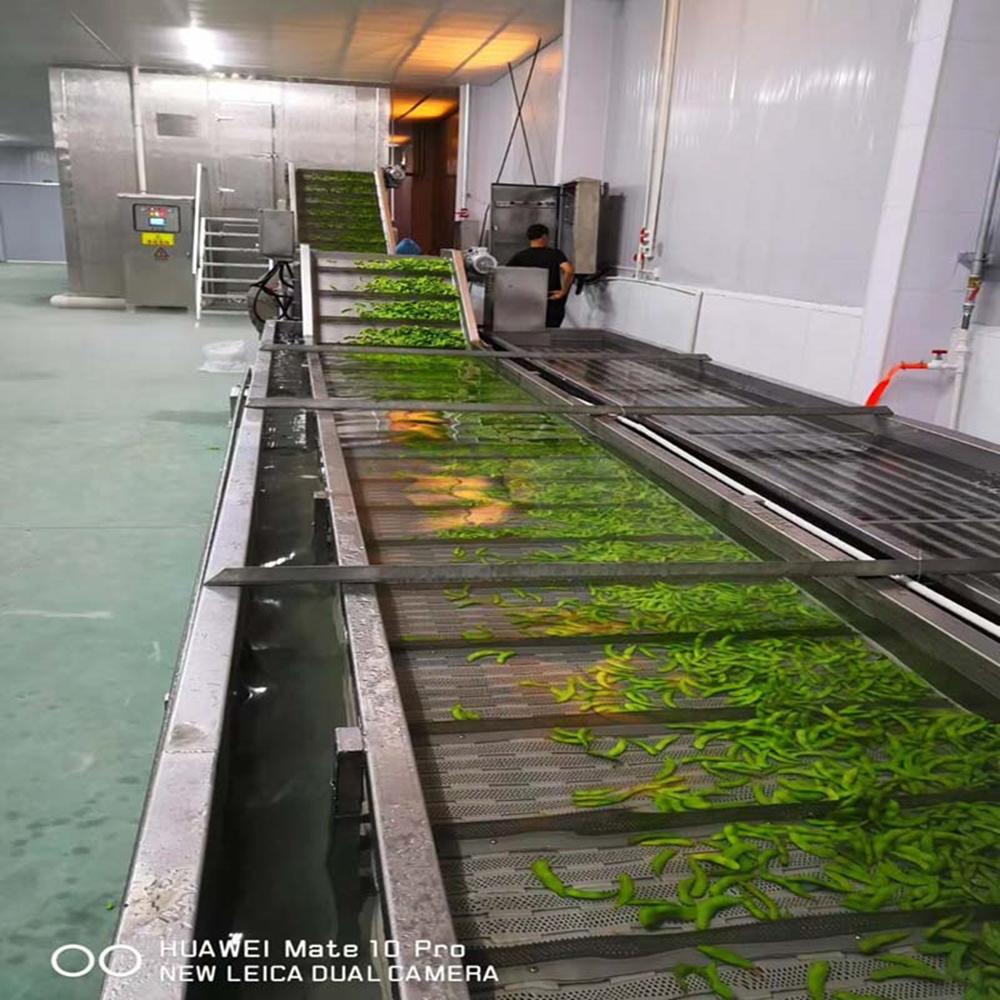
102 961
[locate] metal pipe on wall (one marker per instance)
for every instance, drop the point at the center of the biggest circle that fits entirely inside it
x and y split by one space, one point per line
977 268
661 127
462 168
140 137
668 57
984 238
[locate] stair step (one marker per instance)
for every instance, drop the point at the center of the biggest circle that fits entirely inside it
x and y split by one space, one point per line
222 312
229 218
226 281
215 246
262 266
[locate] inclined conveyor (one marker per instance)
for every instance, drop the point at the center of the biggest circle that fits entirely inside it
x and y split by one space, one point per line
580 781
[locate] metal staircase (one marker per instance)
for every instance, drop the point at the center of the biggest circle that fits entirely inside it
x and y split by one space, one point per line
229 261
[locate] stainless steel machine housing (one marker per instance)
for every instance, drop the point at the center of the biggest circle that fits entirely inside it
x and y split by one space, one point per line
157 238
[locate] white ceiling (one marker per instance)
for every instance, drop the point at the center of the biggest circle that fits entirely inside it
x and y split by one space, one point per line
409 42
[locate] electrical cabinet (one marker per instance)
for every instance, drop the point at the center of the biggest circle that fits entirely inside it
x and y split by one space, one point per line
157 234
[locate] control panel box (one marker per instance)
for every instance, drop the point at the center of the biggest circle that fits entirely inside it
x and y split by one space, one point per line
156 218
157 234
277 233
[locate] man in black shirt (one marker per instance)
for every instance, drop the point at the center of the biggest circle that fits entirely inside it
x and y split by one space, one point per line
540 254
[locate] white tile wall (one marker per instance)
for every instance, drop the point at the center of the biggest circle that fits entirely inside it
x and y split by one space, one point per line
657 313
976 21
631 110
932 19
931 258
783 123
956 167
588 43
960 142
969 92
801 343
876 349
981 401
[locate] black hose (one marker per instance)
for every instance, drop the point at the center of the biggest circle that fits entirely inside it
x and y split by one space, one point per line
284 301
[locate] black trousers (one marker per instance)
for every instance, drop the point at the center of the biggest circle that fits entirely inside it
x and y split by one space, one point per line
555 312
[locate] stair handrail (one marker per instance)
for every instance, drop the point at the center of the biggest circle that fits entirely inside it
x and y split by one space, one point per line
196 255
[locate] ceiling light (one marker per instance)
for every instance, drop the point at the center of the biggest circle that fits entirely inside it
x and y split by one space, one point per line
200 47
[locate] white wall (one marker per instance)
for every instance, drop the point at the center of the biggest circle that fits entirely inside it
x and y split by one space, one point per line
588 46
980 414
826 165
630 117
782 129
492 114
959 139
808 344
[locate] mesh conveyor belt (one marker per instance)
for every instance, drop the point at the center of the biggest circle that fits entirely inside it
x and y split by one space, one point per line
483 674
504 905
784 978
433 681
874 481
497 550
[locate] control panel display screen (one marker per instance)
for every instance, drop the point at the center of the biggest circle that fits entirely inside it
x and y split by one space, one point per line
156 218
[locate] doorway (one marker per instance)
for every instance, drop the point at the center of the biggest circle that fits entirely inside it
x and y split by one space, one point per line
424 137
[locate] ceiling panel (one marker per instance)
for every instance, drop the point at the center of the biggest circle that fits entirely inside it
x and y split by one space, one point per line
415 42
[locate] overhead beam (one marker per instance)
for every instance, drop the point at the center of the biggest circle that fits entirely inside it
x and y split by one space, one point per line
602 410
624 572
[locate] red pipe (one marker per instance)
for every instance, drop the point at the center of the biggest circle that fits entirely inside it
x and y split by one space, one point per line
876 395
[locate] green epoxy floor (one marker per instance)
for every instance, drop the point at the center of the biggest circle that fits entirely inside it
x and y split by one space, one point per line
109 461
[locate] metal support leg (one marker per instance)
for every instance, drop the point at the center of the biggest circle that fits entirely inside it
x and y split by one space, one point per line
346 817
322 547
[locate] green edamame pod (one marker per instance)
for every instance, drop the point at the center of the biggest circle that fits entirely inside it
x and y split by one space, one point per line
626 889
872 944
681 973
700 884
706 909
650 917
711 976
662 860
725 956
542 870
816 979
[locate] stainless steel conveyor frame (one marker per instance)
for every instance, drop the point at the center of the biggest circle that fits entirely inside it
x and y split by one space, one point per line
164 896
893 486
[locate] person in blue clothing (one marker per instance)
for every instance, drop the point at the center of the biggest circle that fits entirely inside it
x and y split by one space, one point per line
407 246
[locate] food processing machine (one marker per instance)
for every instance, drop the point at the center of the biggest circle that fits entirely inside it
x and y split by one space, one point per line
597 667
345 210
571 211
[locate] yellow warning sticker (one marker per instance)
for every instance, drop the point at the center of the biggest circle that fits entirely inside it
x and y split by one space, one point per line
158 239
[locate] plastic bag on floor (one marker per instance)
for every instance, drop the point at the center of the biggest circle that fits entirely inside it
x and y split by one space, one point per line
226 357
